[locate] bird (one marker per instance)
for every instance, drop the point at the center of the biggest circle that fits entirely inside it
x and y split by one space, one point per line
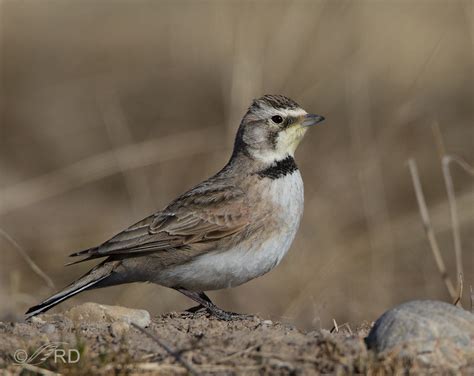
227 230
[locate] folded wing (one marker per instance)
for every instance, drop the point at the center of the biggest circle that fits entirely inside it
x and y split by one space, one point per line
199 219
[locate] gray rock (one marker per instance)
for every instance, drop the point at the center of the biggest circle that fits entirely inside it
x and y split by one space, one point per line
433 332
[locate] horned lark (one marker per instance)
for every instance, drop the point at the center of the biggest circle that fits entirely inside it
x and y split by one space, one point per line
227 230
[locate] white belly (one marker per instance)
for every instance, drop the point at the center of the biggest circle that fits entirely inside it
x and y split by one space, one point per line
250 259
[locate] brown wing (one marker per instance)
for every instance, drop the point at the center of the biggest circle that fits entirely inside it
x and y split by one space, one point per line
199 219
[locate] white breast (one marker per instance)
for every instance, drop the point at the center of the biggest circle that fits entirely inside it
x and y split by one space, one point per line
251 258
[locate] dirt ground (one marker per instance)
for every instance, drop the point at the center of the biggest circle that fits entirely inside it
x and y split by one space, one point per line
196 344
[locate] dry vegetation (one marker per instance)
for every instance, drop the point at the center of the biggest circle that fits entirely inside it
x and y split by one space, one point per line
109 109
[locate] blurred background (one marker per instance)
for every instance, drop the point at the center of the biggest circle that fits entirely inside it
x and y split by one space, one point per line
109 109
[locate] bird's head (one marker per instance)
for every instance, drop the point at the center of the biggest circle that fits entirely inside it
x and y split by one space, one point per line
272 128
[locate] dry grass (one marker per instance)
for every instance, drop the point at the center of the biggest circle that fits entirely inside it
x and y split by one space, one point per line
430 233
110 109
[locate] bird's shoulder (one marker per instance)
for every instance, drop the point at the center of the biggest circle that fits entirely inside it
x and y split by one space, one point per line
212 203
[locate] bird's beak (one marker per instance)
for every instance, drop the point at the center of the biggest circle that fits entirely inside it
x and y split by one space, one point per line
311 119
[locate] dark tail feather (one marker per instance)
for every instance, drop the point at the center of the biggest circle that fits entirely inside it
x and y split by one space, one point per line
99 273
85 252
89 254
56 299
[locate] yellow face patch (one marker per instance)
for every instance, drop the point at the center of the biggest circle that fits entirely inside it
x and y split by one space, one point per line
289 139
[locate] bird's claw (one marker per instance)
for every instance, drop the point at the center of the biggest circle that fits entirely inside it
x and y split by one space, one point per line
228 316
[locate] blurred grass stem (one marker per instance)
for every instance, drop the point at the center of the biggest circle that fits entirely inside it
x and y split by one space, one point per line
28 259
448 180
429 229
182 145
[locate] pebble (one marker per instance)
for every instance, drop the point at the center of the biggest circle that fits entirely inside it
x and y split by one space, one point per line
38 320
99 313
48 329
119 328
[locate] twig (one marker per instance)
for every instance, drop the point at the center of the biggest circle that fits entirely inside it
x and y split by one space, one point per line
445 163
448 180
39 370
237 354
438 139
347 326
168 349
105 164
429 228
462 163
460 290
28 259
335 328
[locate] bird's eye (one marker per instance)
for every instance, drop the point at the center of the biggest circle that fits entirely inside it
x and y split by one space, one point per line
277 119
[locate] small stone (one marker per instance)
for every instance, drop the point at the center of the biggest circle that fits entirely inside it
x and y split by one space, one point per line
100 313
48 328
267 322
281 365
118 328
433 332
37 320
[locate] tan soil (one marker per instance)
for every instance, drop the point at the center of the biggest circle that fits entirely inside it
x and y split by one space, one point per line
251 347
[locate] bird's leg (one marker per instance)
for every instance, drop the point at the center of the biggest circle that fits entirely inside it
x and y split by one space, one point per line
204 301
200 295
195 308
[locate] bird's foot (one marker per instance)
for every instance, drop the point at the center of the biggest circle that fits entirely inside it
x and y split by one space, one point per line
226 315
195 312
206 305
220 314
